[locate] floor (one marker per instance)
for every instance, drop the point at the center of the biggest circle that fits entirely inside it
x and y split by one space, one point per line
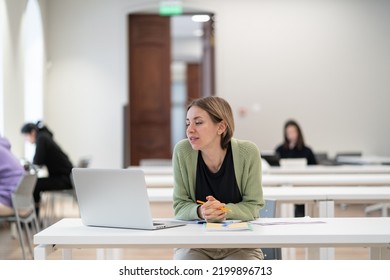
66 207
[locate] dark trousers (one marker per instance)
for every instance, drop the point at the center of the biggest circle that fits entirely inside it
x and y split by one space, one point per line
50 184
299 210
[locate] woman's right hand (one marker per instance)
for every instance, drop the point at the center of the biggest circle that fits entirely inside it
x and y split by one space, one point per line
212 210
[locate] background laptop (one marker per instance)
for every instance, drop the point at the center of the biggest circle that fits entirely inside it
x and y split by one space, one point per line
115 198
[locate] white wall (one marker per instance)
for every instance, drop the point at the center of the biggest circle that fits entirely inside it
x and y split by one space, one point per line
324 62
87 78
13 74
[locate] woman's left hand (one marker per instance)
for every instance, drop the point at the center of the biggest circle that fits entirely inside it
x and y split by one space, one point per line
212 210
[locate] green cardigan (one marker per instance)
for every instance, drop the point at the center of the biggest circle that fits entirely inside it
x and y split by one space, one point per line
247 168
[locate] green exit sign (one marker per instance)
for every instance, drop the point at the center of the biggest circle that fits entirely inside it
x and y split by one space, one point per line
171 8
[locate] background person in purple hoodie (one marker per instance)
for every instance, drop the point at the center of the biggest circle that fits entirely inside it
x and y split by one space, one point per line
11 172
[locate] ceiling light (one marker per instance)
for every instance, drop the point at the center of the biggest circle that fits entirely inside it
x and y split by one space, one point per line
200 18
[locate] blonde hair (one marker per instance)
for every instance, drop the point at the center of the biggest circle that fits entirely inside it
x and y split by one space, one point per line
218 110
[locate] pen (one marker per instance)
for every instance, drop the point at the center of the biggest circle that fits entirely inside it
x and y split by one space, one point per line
223 208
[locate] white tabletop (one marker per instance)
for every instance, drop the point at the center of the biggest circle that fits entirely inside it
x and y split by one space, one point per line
373 232
310 169
327 180
160 181
295 194
324 169
364 159
154 170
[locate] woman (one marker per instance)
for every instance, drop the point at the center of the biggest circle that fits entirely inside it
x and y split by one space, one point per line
213 167
49 154
11 172
294 147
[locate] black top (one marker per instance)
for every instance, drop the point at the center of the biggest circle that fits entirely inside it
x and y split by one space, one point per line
222 185
305 152
48 153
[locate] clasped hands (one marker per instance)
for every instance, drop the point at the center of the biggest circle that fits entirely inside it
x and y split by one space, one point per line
212 210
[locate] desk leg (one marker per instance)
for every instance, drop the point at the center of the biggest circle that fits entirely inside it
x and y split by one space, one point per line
326 209
380 253
109 254
67 254
100 254
289 253
42 251
320 253
287 211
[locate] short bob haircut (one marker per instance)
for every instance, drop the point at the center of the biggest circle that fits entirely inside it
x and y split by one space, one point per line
219 110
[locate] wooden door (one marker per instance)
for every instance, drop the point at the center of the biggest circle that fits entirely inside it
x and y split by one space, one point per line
194 81
149 90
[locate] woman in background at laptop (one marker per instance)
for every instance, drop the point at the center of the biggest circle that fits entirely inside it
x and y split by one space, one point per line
48 153
222 171
294 147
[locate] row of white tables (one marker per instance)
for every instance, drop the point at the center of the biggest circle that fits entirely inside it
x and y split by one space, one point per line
373 233
161 181
331 169
321 185
321 188
364 160
318 175
310 169
323 198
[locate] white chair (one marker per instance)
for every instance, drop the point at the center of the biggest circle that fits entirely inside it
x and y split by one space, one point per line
383 207
24 211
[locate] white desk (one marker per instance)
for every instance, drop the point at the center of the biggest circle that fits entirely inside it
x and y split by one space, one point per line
326 180
154 170
335 232
301 194
323 169
166 181
310 169
364 160
323 197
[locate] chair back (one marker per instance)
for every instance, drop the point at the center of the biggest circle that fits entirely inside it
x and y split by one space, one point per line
84 162
269 211
24 208
339 156
22 198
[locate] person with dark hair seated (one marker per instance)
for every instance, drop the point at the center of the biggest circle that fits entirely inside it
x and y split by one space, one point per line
294 147
48 153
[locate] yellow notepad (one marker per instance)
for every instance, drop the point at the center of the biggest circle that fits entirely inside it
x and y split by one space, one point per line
228 226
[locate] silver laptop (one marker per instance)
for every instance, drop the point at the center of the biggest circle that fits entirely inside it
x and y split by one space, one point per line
115 198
